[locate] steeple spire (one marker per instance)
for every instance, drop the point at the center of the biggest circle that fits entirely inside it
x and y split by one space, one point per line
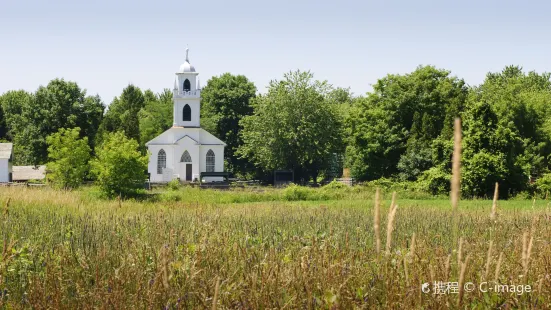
187 54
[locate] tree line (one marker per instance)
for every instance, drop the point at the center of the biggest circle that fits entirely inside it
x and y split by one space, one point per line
400 131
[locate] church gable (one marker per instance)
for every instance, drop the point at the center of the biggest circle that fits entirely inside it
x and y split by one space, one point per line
185 140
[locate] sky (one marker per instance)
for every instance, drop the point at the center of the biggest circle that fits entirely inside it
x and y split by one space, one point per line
106 45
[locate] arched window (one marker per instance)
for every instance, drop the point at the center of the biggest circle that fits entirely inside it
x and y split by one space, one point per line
186 158
210 161
186 113
187 85
161 161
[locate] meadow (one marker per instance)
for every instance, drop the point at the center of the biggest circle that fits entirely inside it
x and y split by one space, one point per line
189 248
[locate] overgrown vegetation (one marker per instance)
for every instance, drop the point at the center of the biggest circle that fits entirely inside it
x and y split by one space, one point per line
66 250
400 131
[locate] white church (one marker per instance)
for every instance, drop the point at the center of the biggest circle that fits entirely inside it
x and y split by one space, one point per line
185 150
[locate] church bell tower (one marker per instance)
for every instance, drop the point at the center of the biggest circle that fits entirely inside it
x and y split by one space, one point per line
187 96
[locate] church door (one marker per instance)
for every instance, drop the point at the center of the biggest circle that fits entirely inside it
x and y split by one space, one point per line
188 172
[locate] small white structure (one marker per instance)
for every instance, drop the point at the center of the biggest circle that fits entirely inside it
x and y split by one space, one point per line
6 155
185 150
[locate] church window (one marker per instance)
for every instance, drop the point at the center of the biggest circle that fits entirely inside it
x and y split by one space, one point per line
161 161
210 161
187 113
187 85
186 158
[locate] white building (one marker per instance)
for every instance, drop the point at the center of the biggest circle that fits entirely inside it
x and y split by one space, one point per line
6 155
185 150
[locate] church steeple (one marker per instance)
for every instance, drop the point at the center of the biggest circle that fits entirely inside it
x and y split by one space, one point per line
187 94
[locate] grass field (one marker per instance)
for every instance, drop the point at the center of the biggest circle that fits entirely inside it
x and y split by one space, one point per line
193 248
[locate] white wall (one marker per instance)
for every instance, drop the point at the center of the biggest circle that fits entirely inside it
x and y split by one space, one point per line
5 169
152 165
218 157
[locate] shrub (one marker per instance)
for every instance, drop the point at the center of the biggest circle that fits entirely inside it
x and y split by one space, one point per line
295 192
69 156
335 185
174 185
119 167
543 184
435 181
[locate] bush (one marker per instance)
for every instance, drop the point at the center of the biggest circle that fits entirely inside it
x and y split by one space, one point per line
68 156
435 181
119 167
295 192
543 184
174 185
335 185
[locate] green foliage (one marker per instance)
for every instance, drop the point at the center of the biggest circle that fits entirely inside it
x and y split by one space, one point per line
224 102
119 167
156 116
174 185
68 156
401 118
30 118
122 114
293 127
543 185
295 192
435 181
507 139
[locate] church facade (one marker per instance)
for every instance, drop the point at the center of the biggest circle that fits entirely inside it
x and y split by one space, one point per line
185 150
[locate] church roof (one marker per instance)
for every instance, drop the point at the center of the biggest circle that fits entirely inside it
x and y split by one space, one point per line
175 134
6 150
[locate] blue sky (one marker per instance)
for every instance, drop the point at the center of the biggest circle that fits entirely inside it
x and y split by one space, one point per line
105 45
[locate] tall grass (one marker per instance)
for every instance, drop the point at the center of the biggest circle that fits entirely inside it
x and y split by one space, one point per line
68 250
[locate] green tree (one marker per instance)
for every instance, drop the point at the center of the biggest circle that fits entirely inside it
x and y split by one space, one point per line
60 104
119 167
122 114
68 158
225 100
391 130
293 127
156 116
506 129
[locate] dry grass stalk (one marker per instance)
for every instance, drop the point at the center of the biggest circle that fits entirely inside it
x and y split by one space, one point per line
488 260
540 282
412 247
498 267
494 204
462 280
527 242
390 224
406 270
164 262
459 252
456 166
377 220
7 207
215 298
447 267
